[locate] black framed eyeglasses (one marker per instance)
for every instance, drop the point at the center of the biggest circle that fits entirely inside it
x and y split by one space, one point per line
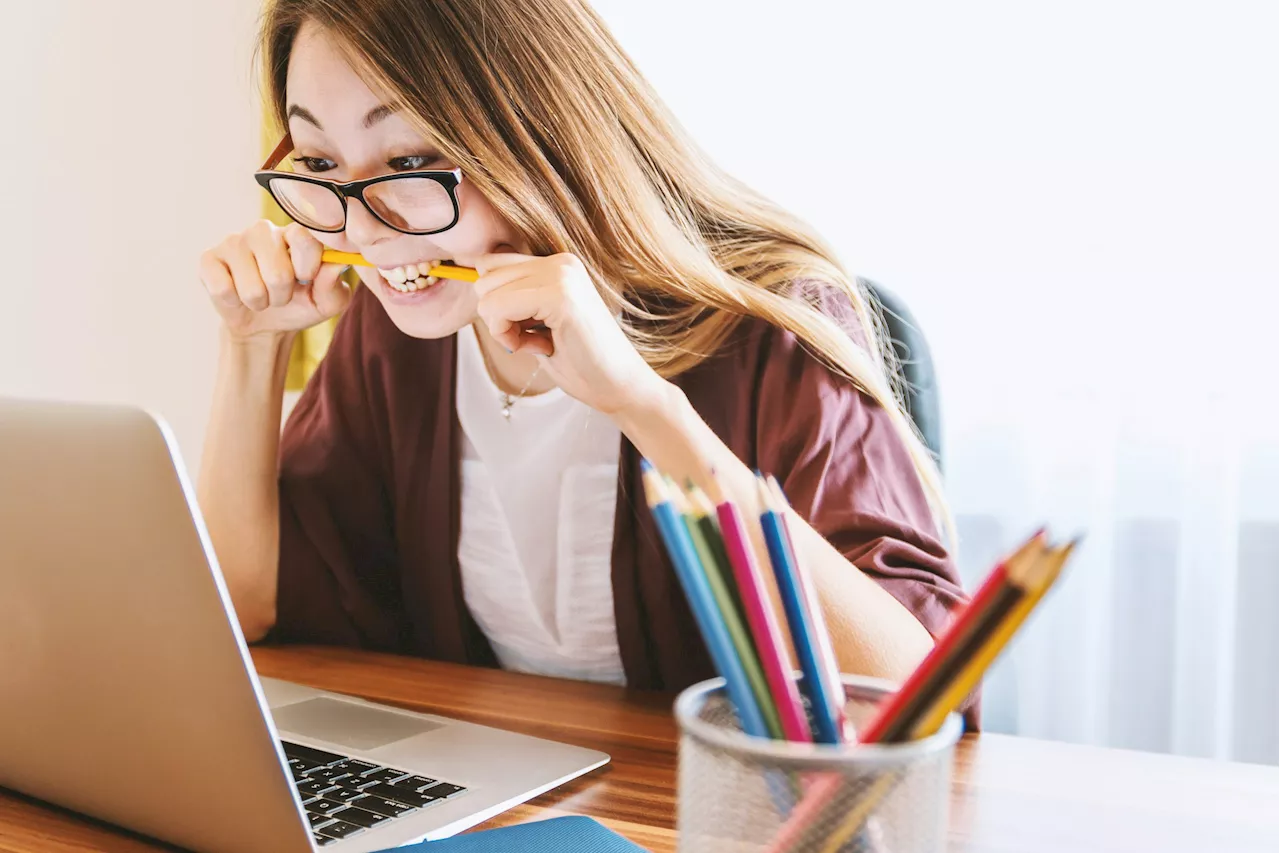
418 202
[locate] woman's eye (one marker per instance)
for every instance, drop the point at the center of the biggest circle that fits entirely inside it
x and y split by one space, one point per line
314 164
411 163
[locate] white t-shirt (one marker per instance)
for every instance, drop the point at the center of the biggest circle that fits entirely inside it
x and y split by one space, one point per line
539 491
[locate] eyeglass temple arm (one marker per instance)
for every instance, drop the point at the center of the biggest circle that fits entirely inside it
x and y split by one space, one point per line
277 153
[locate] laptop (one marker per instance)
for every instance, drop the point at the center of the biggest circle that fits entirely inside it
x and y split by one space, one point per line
127 692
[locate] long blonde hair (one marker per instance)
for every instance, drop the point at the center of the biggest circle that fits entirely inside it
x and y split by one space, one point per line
538 105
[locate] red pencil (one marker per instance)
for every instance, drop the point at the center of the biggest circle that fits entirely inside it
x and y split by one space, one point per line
890 711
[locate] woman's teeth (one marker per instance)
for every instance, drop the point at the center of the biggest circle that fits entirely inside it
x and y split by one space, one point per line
410 278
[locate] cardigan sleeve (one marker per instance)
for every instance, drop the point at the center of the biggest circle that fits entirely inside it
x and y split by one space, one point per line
337 557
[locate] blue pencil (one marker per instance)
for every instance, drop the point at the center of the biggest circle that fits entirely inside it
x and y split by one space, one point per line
826 700
698 591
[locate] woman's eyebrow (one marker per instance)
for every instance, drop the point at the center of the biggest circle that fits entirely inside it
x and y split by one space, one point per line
304 114
371 118
377 114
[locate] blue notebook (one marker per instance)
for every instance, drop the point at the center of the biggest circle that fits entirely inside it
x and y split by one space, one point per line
580 834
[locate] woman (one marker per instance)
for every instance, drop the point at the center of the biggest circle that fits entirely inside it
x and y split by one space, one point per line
460 478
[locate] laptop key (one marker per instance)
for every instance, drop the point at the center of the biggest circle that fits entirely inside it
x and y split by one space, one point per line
323 806
400 795
322 840
340 829
318 820
343 794
313 787
309 753
444 789
384 774
360 817
355 766
414 783
328 774
374 803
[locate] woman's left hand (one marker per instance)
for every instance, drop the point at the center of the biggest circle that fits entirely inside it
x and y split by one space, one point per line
584 348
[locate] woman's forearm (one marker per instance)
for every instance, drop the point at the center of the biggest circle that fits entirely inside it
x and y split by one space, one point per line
871 631
237 490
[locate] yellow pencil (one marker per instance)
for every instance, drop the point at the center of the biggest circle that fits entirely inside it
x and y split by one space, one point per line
332 256
1039 582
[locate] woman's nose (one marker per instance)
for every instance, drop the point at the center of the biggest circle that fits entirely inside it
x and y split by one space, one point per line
363 228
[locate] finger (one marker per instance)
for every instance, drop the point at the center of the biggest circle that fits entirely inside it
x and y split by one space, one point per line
330 293
499 259
514 305
517 317
273 262
304 253
218 281
501 277
244 272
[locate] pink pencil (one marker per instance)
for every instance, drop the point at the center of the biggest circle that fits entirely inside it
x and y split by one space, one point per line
761 619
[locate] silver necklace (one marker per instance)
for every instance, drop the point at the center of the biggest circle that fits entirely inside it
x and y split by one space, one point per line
504 399
509 400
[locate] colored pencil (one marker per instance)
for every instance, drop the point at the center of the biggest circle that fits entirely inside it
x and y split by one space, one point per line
710 550
704 512
804 623
702 602
891 720
1036 579
758 607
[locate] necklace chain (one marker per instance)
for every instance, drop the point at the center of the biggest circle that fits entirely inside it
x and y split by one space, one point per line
509 400
504 399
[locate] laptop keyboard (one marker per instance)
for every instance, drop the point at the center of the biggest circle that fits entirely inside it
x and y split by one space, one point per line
343 796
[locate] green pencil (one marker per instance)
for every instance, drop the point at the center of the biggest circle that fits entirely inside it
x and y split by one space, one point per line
711 553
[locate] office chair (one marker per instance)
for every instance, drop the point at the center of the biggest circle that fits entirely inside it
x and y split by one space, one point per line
915 365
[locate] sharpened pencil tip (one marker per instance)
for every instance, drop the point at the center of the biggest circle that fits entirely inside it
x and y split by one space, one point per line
645 465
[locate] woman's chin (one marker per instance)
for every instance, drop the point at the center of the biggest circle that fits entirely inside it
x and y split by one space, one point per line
434 312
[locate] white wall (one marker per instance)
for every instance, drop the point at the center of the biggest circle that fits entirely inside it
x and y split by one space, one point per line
129 142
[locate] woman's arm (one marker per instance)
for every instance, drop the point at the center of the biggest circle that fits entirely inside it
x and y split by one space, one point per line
238 491
872 632
266 283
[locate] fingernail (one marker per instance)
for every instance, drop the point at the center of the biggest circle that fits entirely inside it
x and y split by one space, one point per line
303 280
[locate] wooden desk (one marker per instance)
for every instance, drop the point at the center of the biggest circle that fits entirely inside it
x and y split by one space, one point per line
1009 793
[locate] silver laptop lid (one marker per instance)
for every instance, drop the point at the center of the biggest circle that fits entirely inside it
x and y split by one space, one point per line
126 690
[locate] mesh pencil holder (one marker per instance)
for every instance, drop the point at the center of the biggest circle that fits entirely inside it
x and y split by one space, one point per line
739 793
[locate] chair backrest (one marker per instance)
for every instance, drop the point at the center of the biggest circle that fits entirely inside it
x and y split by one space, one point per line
915 365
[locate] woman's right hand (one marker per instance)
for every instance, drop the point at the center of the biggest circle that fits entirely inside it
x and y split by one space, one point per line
267 281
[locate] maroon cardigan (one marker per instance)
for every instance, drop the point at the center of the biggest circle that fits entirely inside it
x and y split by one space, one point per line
369 496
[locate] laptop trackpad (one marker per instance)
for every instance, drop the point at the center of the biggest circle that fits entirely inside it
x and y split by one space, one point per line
348 724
